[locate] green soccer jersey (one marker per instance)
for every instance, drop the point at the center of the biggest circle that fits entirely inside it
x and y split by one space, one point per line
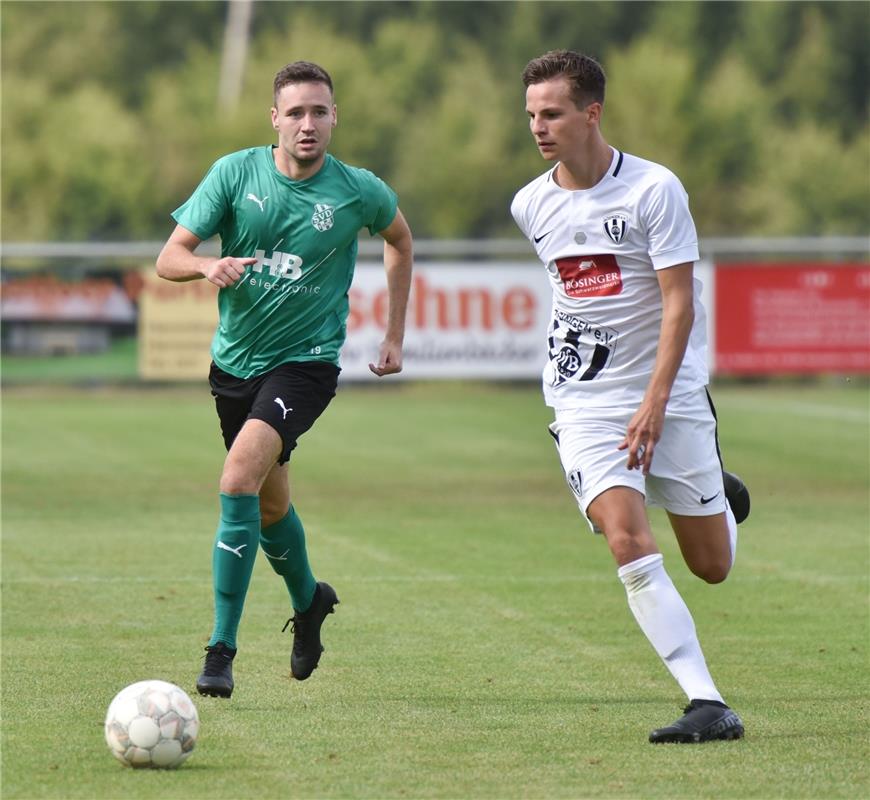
292 305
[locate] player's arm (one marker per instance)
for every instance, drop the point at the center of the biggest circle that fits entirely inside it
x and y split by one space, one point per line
178 261
678 314
398 263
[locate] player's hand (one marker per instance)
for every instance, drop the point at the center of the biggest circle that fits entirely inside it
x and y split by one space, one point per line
226 271
389 360
643 432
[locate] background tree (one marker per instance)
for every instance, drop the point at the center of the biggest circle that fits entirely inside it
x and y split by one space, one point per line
110 110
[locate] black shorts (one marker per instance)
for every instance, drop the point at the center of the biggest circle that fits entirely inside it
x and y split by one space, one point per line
289 398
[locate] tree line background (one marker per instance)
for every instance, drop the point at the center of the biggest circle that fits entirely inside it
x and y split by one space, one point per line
110 112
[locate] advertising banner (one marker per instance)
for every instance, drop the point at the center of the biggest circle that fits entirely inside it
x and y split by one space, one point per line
465 320
47 298
45 316
792 318
176 325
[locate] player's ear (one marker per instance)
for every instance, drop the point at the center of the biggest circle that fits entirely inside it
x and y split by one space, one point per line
593 112
334 116
274 114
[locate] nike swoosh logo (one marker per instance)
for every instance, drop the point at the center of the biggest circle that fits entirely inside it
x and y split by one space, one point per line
538 238
705 500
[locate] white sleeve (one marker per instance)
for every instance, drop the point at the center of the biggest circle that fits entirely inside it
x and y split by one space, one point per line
518 213
670 229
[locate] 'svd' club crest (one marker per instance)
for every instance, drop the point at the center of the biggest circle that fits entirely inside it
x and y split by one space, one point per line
323 217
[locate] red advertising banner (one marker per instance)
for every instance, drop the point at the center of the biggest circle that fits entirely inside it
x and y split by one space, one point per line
792 318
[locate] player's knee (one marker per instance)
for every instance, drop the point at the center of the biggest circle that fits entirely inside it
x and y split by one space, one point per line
711 571
272 511
628 545
235 481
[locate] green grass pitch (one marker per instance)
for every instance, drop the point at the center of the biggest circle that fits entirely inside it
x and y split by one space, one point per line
483 647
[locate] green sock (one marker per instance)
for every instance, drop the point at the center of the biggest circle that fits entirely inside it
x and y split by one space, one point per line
284 545
235 550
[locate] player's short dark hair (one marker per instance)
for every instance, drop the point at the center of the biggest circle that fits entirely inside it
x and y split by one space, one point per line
301 72
583 73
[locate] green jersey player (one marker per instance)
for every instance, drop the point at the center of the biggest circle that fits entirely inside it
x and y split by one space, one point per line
288 216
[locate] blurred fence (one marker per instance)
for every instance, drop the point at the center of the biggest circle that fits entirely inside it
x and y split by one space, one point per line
836 248
478 309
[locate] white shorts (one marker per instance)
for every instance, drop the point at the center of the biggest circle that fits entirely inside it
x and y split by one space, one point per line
686 472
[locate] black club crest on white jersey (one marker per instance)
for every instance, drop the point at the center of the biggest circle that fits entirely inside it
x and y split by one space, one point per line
615 227
575 481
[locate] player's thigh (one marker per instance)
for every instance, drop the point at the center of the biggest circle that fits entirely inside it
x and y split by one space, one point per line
291 399
587 442
254 452
686 480
233 398
685 477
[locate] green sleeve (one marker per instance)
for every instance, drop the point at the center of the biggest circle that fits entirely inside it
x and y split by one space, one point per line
204 211
379 200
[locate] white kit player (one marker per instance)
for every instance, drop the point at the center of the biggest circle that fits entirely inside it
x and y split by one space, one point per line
626 376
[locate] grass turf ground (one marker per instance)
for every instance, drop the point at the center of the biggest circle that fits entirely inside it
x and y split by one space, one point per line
118 363
483 647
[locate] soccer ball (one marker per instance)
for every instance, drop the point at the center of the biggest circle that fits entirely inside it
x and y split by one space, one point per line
152 724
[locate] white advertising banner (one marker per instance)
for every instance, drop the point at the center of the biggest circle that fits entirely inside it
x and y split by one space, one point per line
465 320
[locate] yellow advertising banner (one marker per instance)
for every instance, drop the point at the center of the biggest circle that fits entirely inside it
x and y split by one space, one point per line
176 325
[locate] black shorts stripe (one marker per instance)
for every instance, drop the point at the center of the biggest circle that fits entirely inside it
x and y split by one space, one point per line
716 430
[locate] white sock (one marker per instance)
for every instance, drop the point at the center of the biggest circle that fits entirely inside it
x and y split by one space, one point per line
668 624
732 531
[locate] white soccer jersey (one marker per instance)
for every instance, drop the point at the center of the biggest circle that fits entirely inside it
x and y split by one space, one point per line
602 247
